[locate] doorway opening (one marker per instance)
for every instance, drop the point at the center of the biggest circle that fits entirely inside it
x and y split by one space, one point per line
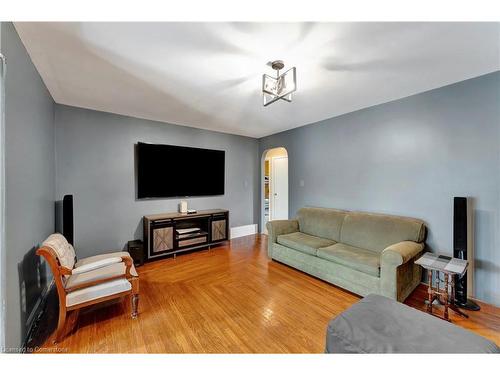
274 185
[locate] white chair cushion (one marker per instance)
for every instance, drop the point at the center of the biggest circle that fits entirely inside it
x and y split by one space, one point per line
97 291
89 266
112 270
97 258
63 249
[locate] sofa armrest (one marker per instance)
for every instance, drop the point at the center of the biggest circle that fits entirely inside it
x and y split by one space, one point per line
401 252
399 275
278 227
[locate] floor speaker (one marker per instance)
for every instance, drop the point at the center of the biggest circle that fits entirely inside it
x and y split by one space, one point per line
68 218
461 250
64 218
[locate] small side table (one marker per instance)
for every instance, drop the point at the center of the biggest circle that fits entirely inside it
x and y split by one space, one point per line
437 263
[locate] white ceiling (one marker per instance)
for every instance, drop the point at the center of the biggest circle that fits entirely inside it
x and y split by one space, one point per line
209 75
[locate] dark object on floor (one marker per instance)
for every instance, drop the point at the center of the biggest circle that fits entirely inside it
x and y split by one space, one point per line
136 251
460 251
64 218
377 324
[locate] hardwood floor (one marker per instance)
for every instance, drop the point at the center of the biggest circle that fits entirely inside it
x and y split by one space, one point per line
230 299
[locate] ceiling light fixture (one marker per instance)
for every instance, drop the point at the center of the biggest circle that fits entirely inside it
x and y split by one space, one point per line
280 87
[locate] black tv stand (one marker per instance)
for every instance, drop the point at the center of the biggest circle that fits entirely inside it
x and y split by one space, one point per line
173 233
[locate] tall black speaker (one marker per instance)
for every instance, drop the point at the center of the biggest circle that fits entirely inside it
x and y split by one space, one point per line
460 232
64 218
68 218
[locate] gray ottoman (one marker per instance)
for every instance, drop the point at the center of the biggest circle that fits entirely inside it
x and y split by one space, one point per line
377 324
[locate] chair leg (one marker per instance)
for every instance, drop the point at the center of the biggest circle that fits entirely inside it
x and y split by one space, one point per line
134 305
60 326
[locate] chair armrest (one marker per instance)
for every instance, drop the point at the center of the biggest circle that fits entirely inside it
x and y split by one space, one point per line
128 264
401 252
95 265
65 271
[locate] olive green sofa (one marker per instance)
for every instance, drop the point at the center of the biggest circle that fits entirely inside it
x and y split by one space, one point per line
358 251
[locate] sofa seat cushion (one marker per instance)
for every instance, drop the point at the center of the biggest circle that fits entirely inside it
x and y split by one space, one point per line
362 260
304 243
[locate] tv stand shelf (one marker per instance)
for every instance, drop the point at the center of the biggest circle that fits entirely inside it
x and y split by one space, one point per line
162 239
191 235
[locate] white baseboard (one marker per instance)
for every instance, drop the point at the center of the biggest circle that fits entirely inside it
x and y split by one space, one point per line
244 230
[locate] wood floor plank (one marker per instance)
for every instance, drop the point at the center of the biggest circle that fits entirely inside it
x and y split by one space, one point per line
230 299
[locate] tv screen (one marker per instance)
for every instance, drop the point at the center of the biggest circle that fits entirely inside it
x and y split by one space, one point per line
174 171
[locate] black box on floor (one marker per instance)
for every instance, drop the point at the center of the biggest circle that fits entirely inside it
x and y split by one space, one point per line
136 250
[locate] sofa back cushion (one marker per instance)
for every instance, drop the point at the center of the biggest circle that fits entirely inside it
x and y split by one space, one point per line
321 222
376 231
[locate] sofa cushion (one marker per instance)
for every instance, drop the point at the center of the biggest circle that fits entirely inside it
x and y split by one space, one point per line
321 222
376 232
362 260
303 242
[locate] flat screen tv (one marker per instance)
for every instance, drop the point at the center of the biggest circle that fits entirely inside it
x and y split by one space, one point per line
173 171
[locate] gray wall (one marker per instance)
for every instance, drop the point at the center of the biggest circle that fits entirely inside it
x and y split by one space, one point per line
95 162
29 179
410 157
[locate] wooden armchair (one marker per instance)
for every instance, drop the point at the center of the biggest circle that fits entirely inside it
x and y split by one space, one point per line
90 280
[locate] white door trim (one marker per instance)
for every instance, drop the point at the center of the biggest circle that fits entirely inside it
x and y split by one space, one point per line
272 193
263 158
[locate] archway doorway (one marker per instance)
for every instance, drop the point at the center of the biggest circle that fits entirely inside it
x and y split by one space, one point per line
274 186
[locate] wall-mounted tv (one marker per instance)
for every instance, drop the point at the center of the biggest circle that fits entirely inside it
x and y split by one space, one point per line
173 171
